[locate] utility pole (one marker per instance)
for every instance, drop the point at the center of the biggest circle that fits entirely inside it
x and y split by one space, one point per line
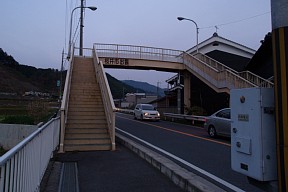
158 83
279 10
61 78
81 28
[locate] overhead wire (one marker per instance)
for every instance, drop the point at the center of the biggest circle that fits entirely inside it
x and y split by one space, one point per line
236 21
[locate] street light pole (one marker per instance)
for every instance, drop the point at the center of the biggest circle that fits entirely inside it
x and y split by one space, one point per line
81 29
71 18
197 29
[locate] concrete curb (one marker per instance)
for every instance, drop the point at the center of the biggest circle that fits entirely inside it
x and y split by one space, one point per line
187 180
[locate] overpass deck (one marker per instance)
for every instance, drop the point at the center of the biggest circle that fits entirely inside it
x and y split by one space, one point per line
215 74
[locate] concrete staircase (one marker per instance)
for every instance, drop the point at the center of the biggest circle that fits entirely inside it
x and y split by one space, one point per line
86 127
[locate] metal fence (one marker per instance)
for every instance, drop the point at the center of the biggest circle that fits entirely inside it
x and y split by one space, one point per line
138 52
22 168
193 118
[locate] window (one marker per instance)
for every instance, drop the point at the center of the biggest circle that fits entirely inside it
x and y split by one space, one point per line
224 114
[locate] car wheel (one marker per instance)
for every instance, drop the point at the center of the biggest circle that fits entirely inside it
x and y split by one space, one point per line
212 131
135 117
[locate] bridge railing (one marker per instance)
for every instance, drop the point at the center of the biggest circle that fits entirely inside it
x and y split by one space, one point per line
22 167
65 102
247 75
137 52
108 102
221 79
214 73
86 52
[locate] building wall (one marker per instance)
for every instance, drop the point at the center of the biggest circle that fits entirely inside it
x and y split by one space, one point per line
12 134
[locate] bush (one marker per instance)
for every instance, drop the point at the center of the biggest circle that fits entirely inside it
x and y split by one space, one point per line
19 119
196 110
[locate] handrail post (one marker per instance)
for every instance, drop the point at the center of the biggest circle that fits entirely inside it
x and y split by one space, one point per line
62 131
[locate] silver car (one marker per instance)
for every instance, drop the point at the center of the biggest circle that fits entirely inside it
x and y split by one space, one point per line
146 111
219 123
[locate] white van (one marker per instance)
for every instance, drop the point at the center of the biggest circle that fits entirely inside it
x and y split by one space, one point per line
146 111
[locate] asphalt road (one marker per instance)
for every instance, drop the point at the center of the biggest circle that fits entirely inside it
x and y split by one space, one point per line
189 143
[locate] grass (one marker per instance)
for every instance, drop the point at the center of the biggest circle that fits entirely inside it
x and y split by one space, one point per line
26 111
18 119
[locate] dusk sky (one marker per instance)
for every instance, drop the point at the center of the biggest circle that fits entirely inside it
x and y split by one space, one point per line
35 32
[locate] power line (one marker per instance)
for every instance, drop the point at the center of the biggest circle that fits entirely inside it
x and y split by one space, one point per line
236 21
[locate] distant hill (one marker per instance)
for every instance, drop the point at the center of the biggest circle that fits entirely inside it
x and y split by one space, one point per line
119 88
17 78
146 87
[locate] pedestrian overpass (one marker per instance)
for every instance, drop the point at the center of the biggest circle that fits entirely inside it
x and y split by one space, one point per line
87 120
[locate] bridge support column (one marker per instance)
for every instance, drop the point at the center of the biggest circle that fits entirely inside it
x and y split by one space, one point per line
279 10
187 89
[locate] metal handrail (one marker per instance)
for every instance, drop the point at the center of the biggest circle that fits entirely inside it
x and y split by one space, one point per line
220 79
138 52
86 52
65 102
253 78
106 96
22 167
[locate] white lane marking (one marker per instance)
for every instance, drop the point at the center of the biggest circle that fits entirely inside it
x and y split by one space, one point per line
213 177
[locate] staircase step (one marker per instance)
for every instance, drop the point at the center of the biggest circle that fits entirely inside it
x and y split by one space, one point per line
83 85
87 147
75 103
86 117
90 121
85 141
86 104
86 130
86 113
76 136
102 125
76 108
84 91
86 100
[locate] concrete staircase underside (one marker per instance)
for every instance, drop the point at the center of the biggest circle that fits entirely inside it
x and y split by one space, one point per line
86 127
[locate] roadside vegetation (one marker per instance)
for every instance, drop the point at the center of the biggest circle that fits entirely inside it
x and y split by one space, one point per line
29 111
2 151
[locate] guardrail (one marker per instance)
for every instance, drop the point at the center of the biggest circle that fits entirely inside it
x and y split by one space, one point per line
22 168
106 96
193 118
128 111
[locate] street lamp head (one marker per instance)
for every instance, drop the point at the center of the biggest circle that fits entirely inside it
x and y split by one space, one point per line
180 18
92 8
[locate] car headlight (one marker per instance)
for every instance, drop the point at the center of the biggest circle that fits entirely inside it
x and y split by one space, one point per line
145 114
158 114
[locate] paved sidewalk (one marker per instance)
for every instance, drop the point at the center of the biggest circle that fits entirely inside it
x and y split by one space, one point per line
111 171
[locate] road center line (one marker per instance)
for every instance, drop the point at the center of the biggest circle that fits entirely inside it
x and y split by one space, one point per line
213 177
180 132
